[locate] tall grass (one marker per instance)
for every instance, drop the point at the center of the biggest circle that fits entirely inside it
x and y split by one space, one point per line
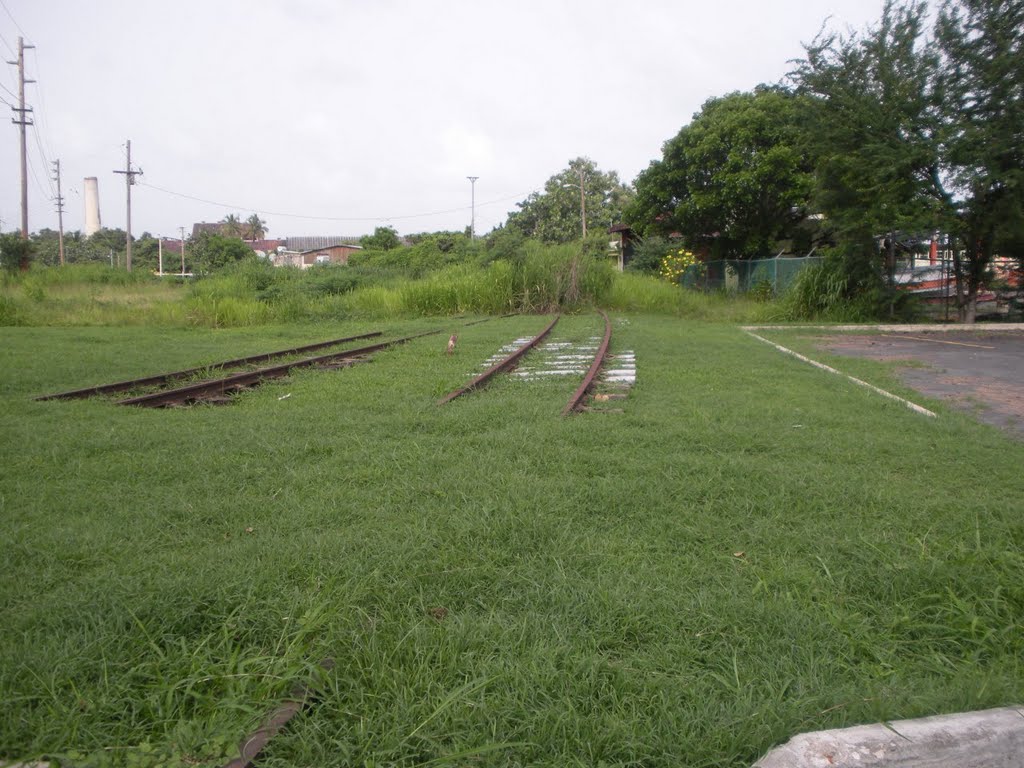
632 292
533 278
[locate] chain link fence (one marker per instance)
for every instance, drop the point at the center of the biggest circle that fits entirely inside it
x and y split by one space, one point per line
767 276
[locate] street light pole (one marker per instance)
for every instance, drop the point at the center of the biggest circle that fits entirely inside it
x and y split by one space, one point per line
472 197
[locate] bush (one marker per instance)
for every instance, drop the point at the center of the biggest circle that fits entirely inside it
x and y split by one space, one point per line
844 287
15 253
648 254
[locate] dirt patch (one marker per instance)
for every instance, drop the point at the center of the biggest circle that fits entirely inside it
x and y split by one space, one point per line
980 373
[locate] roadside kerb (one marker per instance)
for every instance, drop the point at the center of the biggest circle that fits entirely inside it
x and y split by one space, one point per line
905 328
986 739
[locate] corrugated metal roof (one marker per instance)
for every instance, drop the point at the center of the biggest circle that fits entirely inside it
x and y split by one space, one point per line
312 243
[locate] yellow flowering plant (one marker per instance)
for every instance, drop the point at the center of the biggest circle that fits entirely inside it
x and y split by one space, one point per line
675 263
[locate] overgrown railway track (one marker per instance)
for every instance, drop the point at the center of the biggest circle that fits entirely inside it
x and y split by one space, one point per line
506 364
166 378
576 401
215 390
509 362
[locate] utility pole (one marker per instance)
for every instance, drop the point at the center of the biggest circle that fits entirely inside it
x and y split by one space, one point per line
472 197
583 206
129 179
160 255
60 209
182 229
23 121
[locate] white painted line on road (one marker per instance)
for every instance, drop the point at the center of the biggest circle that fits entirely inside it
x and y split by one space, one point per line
912 406
934 341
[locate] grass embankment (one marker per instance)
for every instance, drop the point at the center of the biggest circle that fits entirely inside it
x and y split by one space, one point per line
539 279
752 549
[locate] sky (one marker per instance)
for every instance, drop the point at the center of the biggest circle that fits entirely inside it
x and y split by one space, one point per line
336 117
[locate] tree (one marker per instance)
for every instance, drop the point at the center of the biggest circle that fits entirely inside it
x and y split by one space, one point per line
875 120
15 252
921 137
734 181
256 228
210 252
382 239
231 226
556 214
982 81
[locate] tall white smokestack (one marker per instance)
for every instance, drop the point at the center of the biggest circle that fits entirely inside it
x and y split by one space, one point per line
92 206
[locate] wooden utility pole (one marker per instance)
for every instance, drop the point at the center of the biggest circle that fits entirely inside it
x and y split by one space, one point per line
60 209
583 206
22 120
129 180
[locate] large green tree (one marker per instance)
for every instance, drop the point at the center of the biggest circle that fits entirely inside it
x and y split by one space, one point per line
921 134
875 125
982 83
556 214
734 181
382 239
209 252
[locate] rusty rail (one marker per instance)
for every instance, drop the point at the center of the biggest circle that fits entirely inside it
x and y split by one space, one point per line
164 378
504 365
219 387
595 368
253 744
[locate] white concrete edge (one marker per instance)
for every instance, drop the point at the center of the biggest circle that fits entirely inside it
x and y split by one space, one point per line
912 406
986 739
905 328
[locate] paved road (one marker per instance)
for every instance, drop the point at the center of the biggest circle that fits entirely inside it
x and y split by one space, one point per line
982 372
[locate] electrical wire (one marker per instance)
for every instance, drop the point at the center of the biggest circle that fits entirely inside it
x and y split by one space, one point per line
35 177
45 159
330 218
40 111
9 46
16 24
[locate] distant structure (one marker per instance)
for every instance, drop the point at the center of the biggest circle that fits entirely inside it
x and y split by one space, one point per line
304 243
92 206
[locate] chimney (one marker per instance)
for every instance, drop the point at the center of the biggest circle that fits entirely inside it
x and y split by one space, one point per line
92 206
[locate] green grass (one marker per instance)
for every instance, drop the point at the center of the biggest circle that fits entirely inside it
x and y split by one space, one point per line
596 609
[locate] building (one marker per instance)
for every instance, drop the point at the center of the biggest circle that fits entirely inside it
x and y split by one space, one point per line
333 254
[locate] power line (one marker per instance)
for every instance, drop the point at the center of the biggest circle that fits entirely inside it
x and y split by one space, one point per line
43 157
41 111
16 24
331 218
9 46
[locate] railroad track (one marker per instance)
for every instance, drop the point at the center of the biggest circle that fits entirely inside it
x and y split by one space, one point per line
576 401
218 390
505 365
167 378
501 366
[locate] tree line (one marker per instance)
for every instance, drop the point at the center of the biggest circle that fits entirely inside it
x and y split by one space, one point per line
912 127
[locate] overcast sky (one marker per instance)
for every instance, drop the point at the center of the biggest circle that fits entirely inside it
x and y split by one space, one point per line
336 117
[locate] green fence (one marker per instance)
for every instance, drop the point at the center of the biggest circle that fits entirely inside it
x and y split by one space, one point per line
742 276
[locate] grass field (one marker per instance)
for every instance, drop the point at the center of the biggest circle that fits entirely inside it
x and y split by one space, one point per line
753 548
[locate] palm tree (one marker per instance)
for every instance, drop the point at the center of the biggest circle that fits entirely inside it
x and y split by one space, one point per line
231 226
256 227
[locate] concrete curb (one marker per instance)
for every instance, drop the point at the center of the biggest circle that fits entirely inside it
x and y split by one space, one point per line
986 739
945 328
